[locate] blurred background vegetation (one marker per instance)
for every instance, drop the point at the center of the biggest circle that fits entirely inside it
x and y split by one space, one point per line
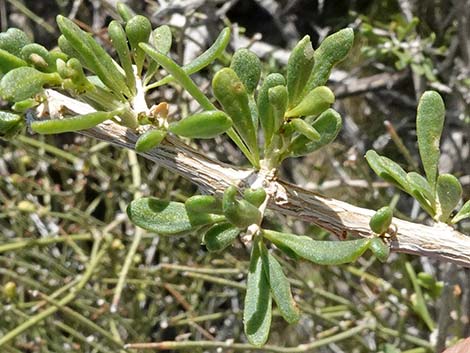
61 196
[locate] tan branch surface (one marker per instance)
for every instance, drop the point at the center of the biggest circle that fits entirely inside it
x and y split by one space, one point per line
439 242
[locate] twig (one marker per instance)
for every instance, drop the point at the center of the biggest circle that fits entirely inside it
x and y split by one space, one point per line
439 241
167 345
64 301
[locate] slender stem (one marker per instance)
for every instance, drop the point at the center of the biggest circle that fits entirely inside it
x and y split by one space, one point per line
50 149
81 337
217 280
182 77
28 13
308 347
209 271
64 301
82 319
136 183
43 241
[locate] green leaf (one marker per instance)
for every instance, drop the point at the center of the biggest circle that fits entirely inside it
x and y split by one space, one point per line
182 77
280 287
305 129
332 50
203 60
299 68
232 95
419 184
204 204
161 38
449 192
124 11
24 105
38 56
380 249
267 117
381 220
119 41
204 125
314 103
10 124
429 124
240 213
220 236
255 196
278 100
138 30
9 61
463 213
247 66
388 170
73 75
24 82
93 56
75 123
13 40
66 48
328 125
320 252
420 189
257 313
149 140
166 217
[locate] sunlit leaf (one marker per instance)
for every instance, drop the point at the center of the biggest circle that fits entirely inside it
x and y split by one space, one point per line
463 213
203 60
167 217
315 102
74 123
280 287
331 51
240 213
328 125
257 313
387 169
255 196
9 61
220 236
299 68
232 95
24 82
204 204
380 249
381 220
149 140
305 129
429 124
13 40
10 124
93 56
320 252
138 30
449 192
247 66
204 125
265 109
419 184
119 41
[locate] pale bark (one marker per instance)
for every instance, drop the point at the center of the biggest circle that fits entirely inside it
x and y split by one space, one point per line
440 241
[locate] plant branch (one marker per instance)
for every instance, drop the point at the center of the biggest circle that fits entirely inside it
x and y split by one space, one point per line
440 241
